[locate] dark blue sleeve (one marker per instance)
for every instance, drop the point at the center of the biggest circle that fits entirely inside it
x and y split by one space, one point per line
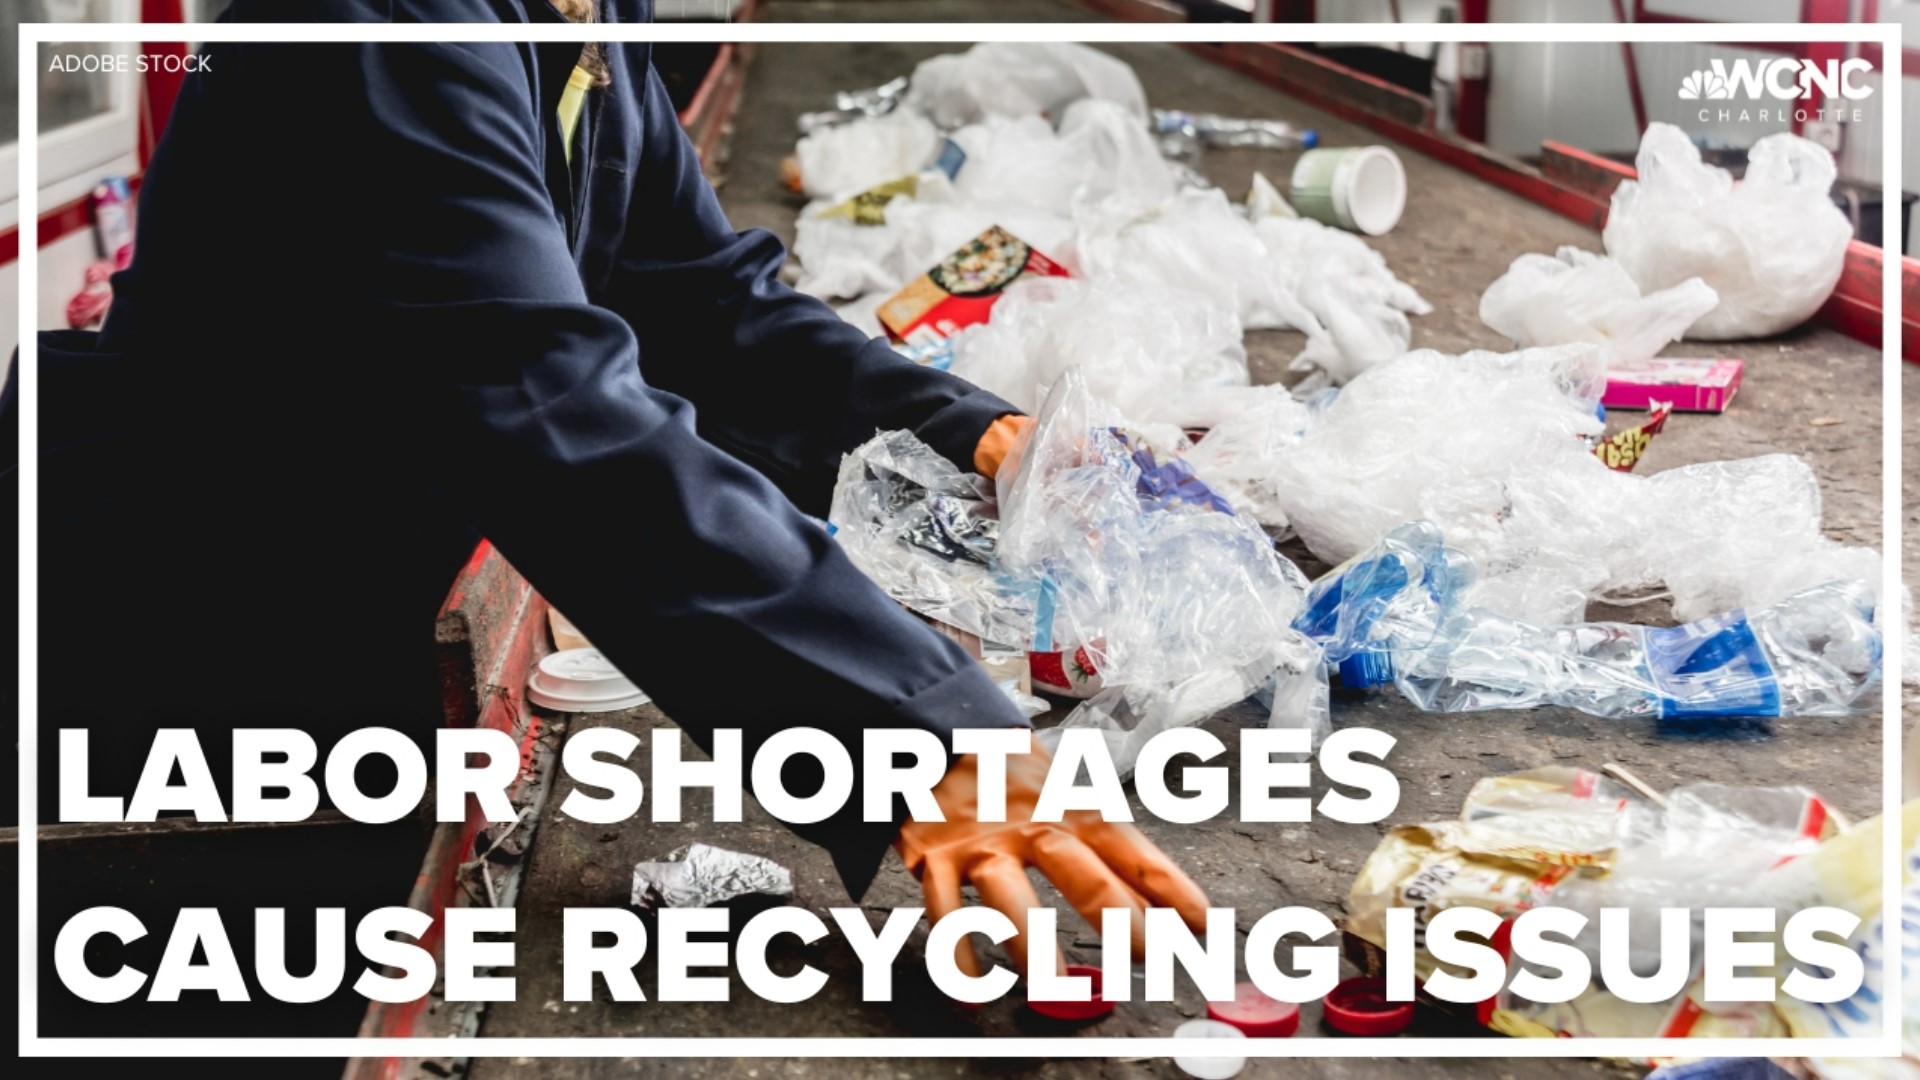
686 566
780 380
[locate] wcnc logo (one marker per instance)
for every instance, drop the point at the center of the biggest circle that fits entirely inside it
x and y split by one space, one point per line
1783 78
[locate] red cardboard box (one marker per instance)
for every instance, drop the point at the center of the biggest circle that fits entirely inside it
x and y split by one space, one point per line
961 290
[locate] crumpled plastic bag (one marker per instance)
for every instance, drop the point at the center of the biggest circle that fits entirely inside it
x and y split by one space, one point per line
1160 589
926 533
1247 432
1738 534
1426 424
1195 242
1358 307
846 159
1771 247
1577 296
1099 149
1184 607
1152 354
1014 79
1276 272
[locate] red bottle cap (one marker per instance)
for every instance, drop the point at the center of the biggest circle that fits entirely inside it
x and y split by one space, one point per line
1090 1009
1359 1006
1253 1012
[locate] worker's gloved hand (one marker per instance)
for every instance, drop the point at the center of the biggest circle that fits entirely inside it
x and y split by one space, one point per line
1094 863
1000 447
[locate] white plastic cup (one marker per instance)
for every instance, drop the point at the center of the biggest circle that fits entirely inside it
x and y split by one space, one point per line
1209 1068
1362 188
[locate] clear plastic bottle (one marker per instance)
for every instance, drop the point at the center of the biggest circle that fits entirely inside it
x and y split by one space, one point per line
1812 654
1392 614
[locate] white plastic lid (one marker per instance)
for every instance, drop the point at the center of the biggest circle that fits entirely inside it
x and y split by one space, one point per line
1374 189
582 680
1209 1068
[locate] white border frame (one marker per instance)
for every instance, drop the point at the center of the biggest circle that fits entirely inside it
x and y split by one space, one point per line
32 1044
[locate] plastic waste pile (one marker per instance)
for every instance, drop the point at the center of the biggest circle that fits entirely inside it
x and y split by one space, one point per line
1054 144
1574 839
1100 542
1493 449
1079 271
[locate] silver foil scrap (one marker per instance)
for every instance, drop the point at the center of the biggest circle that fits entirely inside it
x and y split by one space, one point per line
700 875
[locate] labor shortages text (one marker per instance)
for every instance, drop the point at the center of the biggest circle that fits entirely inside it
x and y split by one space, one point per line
272 781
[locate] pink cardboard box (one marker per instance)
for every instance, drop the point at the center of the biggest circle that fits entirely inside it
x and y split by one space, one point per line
1691 385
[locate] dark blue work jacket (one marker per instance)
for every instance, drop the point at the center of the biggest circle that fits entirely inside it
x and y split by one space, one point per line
374 313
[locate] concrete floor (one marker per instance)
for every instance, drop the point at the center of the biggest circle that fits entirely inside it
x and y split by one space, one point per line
1457 236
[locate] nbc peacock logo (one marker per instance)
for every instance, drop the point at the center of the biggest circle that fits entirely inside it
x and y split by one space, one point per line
1705 85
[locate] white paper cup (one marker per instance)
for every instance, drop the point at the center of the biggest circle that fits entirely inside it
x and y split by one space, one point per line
1363 188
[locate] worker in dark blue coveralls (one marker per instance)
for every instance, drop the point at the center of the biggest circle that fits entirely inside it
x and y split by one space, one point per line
389 298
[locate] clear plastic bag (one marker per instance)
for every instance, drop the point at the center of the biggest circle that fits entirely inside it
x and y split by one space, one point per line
1428 427
1194 242
926 533
1184 607
1247 433
1100 149
1015 79
1771 247
1577 296
1159 588
1728 534
1152 354
1358 309
846 159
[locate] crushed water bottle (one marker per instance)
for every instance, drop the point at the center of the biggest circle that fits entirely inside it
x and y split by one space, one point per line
1391 614
1813 654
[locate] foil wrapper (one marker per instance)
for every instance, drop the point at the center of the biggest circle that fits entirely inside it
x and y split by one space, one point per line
700 875
855 104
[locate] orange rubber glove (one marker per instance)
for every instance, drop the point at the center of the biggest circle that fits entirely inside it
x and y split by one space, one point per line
1000 446
1094 863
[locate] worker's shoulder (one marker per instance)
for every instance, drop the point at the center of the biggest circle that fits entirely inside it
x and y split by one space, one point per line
378 11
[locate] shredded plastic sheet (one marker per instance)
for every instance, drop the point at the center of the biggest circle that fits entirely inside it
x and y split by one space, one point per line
700 875
1771 246
1157 356
846 159
1015 79
1577 296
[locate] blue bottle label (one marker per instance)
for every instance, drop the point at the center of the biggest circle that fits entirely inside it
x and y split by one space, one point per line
1712 668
